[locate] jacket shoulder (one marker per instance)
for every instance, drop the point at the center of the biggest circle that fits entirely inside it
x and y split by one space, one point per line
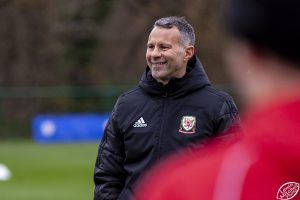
129 95
219 94
128 99
221 100
212 97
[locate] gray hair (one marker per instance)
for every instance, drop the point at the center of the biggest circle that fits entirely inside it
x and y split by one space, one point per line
185 29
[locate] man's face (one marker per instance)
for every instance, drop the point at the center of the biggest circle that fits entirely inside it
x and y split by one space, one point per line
166 55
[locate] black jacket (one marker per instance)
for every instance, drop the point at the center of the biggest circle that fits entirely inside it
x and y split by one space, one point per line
153 120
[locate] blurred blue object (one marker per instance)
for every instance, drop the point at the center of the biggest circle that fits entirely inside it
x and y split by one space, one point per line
77 127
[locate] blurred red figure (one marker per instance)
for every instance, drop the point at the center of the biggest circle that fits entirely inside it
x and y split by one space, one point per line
264 60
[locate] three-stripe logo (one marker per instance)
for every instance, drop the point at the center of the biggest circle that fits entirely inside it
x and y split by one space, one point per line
140 123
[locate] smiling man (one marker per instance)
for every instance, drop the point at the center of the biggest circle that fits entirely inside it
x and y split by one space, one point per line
173 107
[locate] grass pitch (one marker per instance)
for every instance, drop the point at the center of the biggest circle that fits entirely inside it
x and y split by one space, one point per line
48 171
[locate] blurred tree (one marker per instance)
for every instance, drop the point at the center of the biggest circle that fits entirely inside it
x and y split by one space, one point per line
94 41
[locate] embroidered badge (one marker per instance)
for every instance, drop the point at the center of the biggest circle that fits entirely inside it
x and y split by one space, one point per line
188 125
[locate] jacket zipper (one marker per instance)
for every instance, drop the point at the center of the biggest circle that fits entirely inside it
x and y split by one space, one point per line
161 131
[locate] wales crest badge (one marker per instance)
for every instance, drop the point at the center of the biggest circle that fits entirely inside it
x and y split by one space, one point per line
188 125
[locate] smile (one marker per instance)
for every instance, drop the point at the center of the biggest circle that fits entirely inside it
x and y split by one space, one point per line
159 64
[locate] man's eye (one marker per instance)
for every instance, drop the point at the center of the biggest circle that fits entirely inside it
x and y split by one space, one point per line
164 47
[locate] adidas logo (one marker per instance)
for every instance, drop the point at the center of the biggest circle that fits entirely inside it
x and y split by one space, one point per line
140 123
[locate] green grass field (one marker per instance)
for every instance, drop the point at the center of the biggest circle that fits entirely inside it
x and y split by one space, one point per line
48 171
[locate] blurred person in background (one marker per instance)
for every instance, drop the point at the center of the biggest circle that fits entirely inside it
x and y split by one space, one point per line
264 60
174 106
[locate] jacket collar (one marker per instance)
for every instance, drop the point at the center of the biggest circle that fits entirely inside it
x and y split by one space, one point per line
194 79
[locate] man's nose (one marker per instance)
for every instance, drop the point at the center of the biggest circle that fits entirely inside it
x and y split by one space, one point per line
156 52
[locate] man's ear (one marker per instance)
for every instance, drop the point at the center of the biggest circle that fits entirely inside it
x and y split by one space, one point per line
189 52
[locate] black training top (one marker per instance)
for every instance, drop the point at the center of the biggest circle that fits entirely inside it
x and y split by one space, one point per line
152 121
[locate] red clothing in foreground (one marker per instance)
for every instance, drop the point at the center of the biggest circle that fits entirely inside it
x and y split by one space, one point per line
251 169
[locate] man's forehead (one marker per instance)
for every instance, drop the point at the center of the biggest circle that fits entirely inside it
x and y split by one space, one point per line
158 33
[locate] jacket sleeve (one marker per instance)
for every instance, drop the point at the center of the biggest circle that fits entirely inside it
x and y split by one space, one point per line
227 123
109 174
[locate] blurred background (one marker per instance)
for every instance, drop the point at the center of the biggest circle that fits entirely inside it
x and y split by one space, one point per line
78 56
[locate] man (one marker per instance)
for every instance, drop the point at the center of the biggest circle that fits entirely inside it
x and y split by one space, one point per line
264 60
173 107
